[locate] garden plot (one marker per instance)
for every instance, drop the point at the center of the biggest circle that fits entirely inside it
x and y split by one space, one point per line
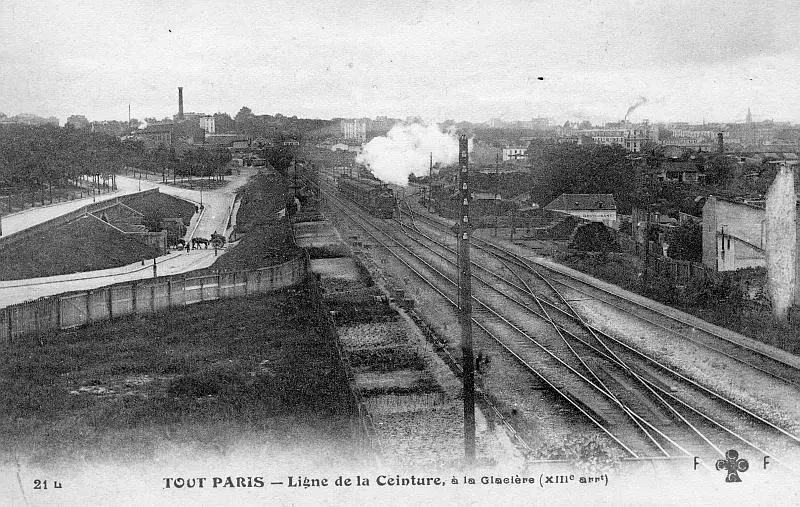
316 235
341 268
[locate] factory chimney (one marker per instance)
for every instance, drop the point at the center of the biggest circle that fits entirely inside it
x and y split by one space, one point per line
180 103
720 144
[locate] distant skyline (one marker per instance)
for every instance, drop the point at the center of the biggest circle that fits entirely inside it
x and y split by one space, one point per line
435 59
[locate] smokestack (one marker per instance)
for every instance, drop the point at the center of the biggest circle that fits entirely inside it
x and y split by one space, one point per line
720 144
180 103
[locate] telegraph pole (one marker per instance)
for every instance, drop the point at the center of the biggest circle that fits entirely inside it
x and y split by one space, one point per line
430 183
465 303
496 190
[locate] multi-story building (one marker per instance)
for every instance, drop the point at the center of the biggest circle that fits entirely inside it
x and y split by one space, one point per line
208 124
78 121
514 153
593 207
156 135
631 137
354 129
30 119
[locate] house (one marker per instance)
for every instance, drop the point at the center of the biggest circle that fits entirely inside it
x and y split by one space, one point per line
593 207
514 153
733 234
683 171
156 135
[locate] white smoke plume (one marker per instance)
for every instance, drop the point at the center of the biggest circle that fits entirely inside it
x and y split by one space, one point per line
407 149
781 242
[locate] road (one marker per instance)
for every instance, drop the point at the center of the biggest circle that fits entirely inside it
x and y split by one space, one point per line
217 208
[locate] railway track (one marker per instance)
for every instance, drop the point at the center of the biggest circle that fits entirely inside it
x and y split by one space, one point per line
768 362
638 402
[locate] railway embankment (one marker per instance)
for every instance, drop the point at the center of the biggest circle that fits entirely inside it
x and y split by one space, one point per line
235 381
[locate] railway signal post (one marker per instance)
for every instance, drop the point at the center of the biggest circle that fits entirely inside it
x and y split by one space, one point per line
465 302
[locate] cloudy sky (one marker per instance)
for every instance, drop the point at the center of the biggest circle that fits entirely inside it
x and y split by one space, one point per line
437 59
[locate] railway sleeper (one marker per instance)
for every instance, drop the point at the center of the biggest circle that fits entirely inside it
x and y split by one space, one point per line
629 391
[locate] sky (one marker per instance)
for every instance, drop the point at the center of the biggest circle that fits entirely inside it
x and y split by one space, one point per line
435 59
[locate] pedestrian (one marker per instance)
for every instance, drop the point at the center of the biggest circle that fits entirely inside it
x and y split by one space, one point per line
188 246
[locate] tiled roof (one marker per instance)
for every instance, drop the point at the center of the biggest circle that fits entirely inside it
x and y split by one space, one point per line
583 202
682 166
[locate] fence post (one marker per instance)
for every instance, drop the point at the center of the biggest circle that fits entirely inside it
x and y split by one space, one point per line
59 320
133 298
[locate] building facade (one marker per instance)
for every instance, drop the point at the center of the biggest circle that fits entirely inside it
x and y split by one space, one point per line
354 129
514 153
733 235
207 124
593 207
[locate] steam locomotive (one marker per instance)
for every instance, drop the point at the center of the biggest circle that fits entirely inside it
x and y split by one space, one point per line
372 195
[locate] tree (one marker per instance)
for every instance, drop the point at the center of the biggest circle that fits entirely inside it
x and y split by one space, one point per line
152 221
279 158
686 242
718 170
223 123
594 237
594 169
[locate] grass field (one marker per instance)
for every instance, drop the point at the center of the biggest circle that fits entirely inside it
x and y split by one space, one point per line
199 378
163 204
747 317
80 245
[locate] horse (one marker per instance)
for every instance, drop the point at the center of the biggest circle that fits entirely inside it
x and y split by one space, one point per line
196 242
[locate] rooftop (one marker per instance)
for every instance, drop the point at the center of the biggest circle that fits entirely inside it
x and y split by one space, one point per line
583 202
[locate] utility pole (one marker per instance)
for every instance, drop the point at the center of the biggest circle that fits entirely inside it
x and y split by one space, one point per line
465 303
513 228
646 274
496 190
430 183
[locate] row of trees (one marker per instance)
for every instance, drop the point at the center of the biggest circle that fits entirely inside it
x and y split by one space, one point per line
198 162
36 160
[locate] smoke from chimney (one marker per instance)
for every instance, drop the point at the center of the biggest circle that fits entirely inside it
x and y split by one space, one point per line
180 103
640 102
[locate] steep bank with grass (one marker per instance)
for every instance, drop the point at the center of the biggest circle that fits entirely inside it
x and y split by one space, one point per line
86 244
266 237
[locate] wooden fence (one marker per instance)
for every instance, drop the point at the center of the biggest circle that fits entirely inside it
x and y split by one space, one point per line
679 271
143 297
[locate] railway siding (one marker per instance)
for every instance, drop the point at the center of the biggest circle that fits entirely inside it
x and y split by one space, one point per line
716 428
774 352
